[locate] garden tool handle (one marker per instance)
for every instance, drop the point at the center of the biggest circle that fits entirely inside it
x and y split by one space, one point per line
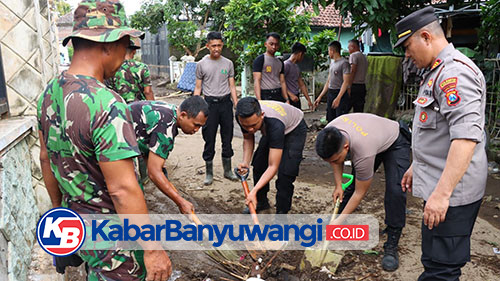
195 218
251 207
240 176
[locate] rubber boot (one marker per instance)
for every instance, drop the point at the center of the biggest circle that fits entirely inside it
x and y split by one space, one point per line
228 171
209 173
390 261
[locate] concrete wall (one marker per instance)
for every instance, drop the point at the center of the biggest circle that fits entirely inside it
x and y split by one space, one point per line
30 59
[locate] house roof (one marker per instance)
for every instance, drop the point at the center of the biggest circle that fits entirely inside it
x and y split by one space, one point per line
65 20
328 17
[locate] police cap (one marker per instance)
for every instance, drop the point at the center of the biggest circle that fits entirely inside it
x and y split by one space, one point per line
413 22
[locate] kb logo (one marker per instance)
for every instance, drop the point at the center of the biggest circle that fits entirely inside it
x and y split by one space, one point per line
60 232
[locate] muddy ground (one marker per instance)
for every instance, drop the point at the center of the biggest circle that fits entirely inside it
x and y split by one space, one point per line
313 190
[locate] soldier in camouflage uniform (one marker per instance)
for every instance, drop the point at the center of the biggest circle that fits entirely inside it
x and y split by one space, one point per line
156 125
133 80
87 139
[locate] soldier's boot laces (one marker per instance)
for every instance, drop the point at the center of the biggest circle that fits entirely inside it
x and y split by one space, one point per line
228 171
209 173
390 261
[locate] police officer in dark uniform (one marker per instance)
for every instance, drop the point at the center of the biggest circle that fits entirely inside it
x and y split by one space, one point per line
449 168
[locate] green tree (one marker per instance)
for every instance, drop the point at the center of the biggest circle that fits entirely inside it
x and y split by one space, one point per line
384 14
187 21
317 48
61 7
248 21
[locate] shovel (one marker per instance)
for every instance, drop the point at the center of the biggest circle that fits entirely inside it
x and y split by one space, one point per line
246 190
251 207
324 257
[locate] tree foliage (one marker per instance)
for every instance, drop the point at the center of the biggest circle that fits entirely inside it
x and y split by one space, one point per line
489 32
248 21
187 21
61 7
317 47
384 14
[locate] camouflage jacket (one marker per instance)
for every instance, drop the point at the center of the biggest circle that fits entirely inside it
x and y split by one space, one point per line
84 123
155 124
130 80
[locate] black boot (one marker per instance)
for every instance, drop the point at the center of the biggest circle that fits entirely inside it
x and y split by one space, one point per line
390 261
209 172
228 171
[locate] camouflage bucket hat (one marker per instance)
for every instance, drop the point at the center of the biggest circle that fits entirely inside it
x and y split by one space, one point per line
101 21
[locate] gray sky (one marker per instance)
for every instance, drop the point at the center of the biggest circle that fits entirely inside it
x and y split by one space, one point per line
131 6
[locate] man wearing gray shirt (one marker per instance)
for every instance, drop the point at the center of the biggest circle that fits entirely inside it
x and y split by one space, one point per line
215 78
336 83
293 79
268 72
371 140
359 67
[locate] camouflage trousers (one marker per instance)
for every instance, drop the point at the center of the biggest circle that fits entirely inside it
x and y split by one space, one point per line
110 265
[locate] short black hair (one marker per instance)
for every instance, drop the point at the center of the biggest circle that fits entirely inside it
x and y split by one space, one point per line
298 48
329 142
81 44
336 46
214 35
355 42
274 35
247 107
193 106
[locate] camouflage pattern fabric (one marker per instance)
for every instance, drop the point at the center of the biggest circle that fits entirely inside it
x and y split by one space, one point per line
130 80
101 21
84 123
114 265
155 124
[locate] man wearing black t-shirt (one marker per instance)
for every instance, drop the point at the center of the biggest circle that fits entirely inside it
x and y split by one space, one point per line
280 148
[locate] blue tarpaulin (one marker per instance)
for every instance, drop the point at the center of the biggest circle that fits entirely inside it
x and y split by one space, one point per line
188 78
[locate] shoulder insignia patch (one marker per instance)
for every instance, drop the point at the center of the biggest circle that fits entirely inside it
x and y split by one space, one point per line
448 84
436 63
452 97
423 117
422 100
429 83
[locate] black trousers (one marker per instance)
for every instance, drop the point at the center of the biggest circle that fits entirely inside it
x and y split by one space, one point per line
357 99
343 107
274 94
396 161
220 113
296 103
287 171
446 248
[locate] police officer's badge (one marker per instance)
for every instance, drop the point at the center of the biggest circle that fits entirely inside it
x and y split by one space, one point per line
423 117
452 97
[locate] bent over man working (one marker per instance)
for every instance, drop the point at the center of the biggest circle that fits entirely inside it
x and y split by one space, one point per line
449 168
156 125
371 140
87 140
279 152
215 78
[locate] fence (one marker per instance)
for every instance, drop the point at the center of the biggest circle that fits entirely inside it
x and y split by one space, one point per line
155 52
